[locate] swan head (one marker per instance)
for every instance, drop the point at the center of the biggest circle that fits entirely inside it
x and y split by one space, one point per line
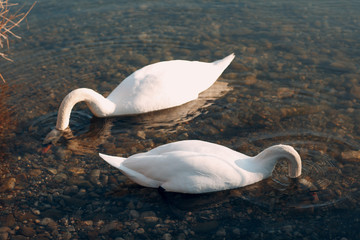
53 136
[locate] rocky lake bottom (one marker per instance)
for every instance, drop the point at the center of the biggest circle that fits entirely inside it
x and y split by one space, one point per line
295 80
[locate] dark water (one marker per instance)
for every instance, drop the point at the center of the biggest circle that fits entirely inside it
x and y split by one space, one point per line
295 80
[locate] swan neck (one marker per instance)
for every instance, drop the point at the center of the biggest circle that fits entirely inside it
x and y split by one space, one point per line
97 104
269 157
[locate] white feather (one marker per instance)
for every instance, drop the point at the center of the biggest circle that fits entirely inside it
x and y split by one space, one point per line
194 166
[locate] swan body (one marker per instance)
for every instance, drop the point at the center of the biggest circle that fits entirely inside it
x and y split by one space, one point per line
194 166
154 87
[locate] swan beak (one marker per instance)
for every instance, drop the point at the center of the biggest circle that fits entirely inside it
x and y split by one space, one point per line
46 148
52 137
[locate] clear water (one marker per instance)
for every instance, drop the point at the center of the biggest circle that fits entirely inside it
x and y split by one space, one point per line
295 80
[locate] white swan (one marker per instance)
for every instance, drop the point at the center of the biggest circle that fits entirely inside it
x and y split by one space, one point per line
194 166
154 87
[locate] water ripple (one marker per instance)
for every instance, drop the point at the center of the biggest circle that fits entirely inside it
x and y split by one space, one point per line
324 181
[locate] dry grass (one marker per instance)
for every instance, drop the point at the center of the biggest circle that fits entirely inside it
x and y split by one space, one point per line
10 17
8 21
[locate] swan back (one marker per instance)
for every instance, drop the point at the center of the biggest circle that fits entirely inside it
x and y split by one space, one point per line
165 84
199 147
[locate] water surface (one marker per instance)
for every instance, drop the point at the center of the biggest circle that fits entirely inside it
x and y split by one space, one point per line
295 80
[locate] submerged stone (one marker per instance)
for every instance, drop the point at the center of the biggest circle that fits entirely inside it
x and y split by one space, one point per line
353 156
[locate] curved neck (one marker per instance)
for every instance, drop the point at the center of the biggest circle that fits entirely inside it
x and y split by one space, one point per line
267 159
98 105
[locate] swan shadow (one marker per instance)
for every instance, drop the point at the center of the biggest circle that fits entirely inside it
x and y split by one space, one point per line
177 205
272 195
214 205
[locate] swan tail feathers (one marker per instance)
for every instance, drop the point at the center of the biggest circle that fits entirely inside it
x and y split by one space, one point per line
223 63
112 160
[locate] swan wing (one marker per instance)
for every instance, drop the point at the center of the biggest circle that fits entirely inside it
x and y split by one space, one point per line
165 84
199 147
130 173
186 172
112 160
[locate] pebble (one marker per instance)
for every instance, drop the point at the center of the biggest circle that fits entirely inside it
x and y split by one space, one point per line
181 236
66 235
355 90
140 231
353 156
77 170
27 231
4 229
81 183
221 232
35 172
61 177
4 236
8 185
95 176
141 134
35 211
285 92
109 227
342 66
134 214
60 168
149 216
49 223
8 220
24 216
52 170
70 190
167 236
250 80
131 205
104 179
133 225
236 231
288 228
63 154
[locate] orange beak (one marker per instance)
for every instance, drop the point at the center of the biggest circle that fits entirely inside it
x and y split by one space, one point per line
46 149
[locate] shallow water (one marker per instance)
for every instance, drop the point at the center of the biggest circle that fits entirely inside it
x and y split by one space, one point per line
295 80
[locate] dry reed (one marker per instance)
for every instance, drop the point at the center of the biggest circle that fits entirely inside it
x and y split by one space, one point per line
8 21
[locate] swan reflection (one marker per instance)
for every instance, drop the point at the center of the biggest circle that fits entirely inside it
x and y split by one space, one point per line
85 138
